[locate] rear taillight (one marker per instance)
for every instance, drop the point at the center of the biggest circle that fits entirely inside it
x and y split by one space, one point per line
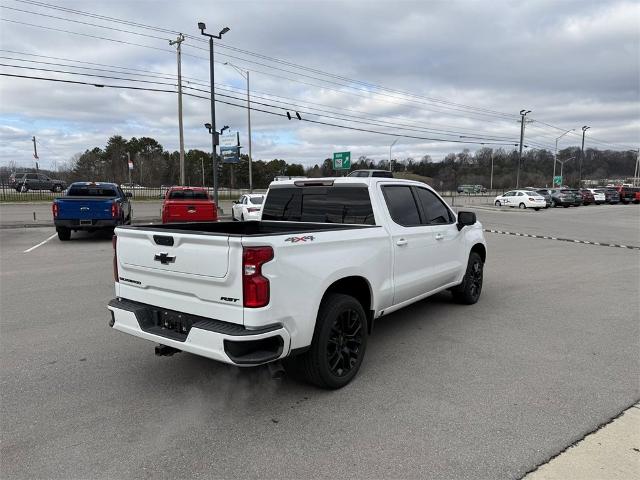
251 210
532 199
255 287
54 209
115 210
114 242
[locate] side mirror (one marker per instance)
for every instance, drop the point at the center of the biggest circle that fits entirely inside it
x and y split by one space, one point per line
466 219
128 194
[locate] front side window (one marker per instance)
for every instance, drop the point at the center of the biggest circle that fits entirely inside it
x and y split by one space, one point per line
434 210
402 205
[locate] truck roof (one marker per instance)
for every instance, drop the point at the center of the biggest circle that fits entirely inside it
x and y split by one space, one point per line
328 181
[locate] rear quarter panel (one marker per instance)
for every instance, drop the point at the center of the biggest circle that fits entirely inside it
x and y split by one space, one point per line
302 271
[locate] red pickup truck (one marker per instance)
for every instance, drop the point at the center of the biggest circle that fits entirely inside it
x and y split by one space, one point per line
188 204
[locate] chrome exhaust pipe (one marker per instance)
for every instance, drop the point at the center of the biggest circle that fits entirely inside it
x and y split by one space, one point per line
276 370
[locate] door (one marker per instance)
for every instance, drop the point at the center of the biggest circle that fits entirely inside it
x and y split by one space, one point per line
31 180
411 242
448 252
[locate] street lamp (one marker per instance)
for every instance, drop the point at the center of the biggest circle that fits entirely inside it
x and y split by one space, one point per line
212 126
245 75
584 130
390 147
562 162
523 113
555 156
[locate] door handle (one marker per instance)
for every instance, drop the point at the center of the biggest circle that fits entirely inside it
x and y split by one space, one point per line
401 242
439 236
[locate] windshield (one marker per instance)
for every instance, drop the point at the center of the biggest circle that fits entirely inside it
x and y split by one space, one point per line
92 191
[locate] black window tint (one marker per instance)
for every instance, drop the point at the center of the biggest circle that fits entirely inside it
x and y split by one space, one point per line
436 212
32 176
91 191
319 204
402 206
382 174
188 195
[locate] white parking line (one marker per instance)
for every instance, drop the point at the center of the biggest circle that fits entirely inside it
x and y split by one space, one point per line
40 244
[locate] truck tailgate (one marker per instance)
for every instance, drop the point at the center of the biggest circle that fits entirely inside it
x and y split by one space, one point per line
185 272
189 211
84 208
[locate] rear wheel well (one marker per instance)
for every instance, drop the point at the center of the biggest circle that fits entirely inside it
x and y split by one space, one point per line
356 287
480 250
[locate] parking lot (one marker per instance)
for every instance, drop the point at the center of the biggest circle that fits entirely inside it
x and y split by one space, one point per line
548 355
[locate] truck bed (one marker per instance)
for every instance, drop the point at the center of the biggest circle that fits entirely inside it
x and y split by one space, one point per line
247 229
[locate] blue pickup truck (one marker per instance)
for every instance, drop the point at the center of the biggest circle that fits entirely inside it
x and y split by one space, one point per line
91 206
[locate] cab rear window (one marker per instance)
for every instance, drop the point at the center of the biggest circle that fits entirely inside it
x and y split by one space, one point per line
330 204
91 191
188 195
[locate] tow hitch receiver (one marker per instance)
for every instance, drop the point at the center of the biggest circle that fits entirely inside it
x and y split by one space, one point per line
165 351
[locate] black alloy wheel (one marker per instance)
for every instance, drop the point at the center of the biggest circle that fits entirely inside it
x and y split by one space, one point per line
345 342
468 292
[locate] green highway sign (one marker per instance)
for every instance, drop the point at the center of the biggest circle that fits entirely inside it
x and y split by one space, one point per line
557 180
342 160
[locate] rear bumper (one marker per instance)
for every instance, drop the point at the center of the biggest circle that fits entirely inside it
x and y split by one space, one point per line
75 224
226 342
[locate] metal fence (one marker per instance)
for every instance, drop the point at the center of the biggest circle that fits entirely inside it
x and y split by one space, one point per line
10 194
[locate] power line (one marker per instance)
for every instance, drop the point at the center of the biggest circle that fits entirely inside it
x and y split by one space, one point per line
479 110
347 127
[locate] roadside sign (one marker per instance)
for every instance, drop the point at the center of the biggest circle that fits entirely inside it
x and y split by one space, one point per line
342 160
557 180
230 147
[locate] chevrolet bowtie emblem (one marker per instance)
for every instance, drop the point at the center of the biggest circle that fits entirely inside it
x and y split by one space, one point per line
164 258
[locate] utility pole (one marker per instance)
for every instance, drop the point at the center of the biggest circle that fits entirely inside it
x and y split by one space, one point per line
390 147
212 130
178 41
35 152
584 130
523 113
491 182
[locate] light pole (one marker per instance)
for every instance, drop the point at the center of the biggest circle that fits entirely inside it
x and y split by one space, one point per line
390 147
562 162
555 156
491 181
523 113
245 75
584 130
214 136
213 133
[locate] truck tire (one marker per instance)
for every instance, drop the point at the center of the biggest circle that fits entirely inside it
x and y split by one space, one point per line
64 234
468 292
338 345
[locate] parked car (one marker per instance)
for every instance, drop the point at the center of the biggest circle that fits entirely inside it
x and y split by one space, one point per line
598 195
23 182
627 194
471 189
636 197
563 197
305 283
248 207
577 197
371 173
521 199
611 195
188 204
91 206
545 193
587 196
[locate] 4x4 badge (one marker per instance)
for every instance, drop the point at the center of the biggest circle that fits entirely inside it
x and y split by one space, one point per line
164 258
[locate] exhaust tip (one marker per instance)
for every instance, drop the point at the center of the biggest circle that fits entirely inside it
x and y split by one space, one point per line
276 370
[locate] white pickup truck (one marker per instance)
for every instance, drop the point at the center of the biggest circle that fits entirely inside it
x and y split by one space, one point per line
305 283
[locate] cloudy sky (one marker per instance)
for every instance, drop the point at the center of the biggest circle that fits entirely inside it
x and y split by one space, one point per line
362 74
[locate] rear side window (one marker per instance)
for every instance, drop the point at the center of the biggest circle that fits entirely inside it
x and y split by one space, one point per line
435 212
188 195
319 204
91 191
402 206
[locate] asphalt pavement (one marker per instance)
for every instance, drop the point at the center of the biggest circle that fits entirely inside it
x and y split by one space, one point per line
446 391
